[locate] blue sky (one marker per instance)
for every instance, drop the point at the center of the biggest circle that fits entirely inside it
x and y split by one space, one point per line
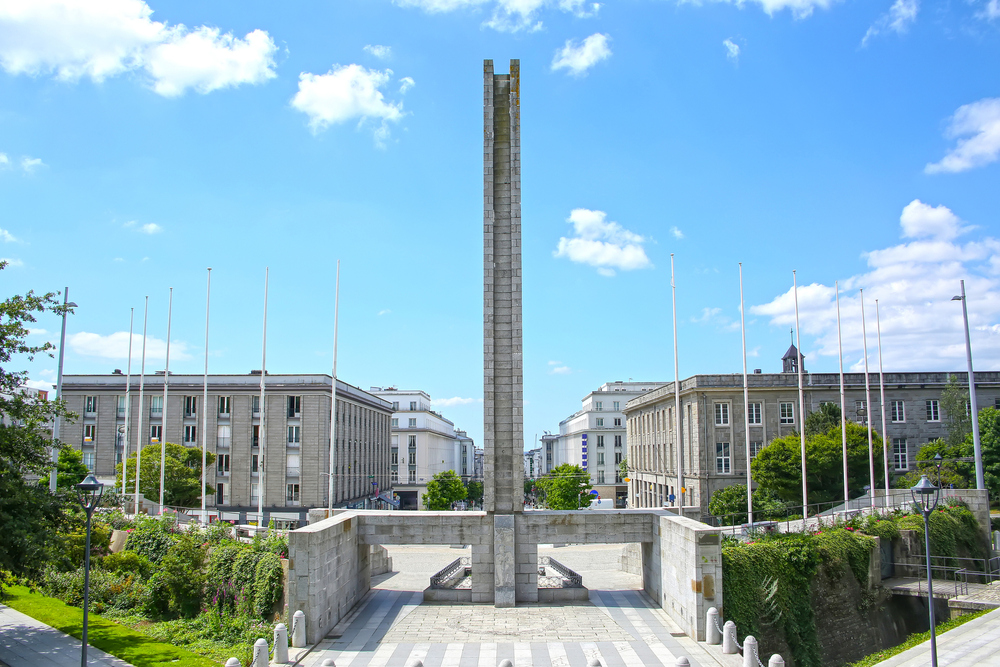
851 141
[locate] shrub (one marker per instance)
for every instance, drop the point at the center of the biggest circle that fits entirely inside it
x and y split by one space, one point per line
75 543
108 590
881 527
218 532
150 538
220 587
268 582
128 562
244 578
177 588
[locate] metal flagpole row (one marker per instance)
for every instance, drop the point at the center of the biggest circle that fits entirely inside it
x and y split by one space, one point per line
881 387
163 413
746 403
262 431
204 407
677 395
843 406
802 400
128 405
142 381
333 395
868 405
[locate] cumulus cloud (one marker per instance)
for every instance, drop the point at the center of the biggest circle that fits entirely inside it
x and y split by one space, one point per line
115 346
405 84
40 384
578 57
4 160
922 328
508 15
990 11
98 39
976 126
898 19
602 244
379 51
676 233
6 236
346 93
452 402
732 50
30 164
384 311
148 228
800 9
558 368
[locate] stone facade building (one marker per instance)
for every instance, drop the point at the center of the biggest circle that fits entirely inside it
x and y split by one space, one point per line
297 444
712 444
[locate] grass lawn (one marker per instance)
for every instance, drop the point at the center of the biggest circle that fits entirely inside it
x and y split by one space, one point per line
917 639
106 635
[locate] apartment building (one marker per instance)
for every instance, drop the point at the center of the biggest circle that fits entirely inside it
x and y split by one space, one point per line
293 454
712 442
423 444
533 463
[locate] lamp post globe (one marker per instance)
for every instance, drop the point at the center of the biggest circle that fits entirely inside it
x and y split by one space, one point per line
89 492
925 496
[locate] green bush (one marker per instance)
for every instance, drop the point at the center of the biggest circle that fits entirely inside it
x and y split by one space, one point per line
881 527
150 538
219 582
244 579
75 543
108 590
268 581
176 590
128 562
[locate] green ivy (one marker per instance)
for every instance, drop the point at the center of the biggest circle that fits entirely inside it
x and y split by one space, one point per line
267 585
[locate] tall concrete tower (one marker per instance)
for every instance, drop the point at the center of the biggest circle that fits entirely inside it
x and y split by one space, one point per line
502 364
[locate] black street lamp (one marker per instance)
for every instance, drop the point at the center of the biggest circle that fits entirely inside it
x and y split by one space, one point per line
937 461
922 497
90 491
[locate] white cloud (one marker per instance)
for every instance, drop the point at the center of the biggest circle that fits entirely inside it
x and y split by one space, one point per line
452 402
115 346
922 328
29 164
508 15
707 315
384 311
4 160
577 58
559 368
6 236
800 9
40 384
151 228
405 84
602 244
677 233
12 262
98 39
379 51
990 11
732 50
981 120
899 18
346 93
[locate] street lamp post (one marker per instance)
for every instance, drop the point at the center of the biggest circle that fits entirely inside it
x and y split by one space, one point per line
90 491
922 497
67 304
980 481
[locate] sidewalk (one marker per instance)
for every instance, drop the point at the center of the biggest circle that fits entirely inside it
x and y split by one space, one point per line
975 644
25 642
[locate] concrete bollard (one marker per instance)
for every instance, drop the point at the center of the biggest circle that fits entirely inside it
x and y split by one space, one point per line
682 661
776 661
594 662
750 651
280 644
415 663
506 663
729 638
260 654
712 634
233 662
329 663
299 629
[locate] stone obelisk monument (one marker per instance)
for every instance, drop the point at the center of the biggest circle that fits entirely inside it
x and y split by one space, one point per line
503 496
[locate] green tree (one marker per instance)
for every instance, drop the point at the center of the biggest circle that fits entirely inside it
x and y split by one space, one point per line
566 487
989 439
777 468
182 474
179 585
729 504
30 517
70 470
824 419
961 474
955 402
475 492
443 490
623 467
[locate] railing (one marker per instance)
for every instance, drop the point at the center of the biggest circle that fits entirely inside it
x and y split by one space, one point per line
566 578
452 573
291 472
291 443
222 473
224 415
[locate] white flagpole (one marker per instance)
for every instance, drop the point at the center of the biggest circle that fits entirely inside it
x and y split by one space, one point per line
142 379
677 394
868 405
163 417
262 449
128 404
843 406
802 401
881 386
746 404
333 404
204 405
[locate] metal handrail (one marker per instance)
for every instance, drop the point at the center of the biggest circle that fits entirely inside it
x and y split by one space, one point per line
452 572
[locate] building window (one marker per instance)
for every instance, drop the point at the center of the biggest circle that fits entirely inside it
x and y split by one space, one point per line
413 406
598 406
618 458
255 404
786 412
395 406
412 423
722 459
292 465
395 422
617 406
600 458
411 447
996 403
600 441
722 414
224 406
861 409
190 406
190 434
899 453
292 493
395 474
223 461
155 433
293 435
395 456
755 413
411 477
618 421
90 404
224 435
618 442
88 460
755 447
897 412
90 433
294 406
600 477
156 405
253 464
600 421
121 406
933 411
256 435
220 494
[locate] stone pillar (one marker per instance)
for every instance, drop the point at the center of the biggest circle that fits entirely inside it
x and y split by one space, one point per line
503 428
